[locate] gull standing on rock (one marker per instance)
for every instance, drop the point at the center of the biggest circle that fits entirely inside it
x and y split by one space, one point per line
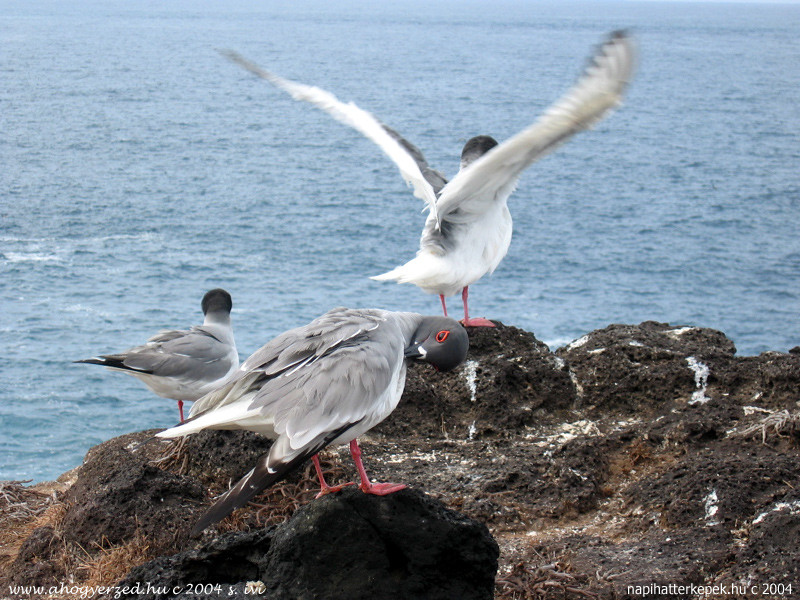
468 229
184 365
322 384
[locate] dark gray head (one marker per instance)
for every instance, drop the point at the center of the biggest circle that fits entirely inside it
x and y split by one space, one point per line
475 148
440 341
217 300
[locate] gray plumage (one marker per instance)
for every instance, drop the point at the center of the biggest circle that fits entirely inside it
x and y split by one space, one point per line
183 364
324 383
435 178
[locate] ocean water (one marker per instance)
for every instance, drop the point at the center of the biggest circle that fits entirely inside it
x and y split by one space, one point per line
139 169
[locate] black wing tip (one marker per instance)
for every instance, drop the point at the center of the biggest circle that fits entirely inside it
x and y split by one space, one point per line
616 37
257 480
253 483
90 361
232 500
104 361
229 54
202 524
112 362
240 60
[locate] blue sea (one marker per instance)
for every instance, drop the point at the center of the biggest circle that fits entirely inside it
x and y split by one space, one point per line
138 169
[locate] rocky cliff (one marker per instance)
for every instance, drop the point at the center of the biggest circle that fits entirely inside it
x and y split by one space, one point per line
634 459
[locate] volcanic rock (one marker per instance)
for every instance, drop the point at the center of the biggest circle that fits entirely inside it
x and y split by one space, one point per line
346 545
120 494
637 454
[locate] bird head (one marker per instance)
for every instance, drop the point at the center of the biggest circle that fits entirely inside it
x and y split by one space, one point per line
217 300
475 148
440 341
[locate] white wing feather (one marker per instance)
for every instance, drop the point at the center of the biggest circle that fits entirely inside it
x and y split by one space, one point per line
598 90
353 116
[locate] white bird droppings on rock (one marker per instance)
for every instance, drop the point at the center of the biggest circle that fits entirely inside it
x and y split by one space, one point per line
679 331
794 508
701 373
712 508
578 343
471 375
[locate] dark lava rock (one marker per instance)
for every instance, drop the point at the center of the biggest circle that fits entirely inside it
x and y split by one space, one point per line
33 564
509 381
629 569
40 544
119 493
640 368
214 456
343 546
770 557
638 454
720 486
219 567
768 380
353 545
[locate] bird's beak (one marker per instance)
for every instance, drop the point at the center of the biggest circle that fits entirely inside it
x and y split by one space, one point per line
415 352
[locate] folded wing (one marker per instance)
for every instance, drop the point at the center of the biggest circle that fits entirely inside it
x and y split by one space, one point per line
339 375
192 355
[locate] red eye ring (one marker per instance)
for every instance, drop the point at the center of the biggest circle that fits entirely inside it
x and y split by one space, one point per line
442 335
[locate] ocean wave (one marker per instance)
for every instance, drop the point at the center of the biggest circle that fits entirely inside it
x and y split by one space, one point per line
58 250
140 236
15 257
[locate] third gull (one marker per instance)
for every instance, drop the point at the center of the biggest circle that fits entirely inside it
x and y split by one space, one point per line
185 364
468 229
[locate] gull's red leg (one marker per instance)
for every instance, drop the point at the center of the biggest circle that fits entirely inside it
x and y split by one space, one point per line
324 488
467 322
180 409
379 489
444 304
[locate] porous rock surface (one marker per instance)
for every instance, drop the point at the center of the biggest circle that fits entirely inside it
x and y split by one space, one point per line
637 455
346 545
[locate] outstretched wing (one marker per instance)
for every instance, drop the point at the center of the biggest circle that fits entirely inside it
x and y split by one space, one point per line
432 176
409 160
495 174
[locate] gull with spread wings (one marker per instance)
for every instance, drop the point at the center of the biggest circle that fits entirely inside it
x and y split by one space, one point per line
468 229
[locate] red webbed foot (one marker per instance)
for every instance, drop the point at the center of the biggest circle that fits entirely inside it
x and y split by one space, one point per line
381 489
477 322
330 489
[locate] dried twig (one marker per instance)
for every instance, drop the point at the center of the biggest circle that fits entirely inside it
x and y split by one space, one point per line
782 423
174 455
279 502
525 582
19 502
